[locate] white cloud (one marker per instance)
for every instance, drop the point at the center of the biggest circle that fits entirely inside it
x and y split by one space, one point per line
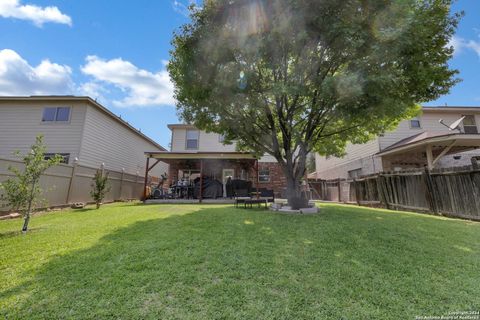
141 87
460 44
94 90
38 15
18 77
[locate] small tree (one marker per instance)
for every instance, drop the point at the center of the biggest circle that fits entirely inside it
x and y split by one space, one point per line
100 187
22 192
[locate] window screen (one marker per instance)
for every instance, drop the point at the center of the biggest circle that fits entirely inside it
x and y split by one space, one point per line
415 123
263 175
192 139
60 114
63 114
49 114
469 125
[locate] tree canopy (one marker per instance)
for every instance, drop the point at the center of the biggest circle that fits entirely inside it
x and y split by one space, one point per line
288 77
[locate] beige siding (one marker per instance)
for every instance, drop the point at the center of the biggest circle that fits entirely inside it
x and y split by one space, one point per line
21 122
357 156
362 156
107 141
428 122
208 142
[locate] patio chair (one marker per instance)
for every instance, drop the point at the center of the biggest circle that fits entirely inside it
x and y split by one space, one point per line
267 194
240 196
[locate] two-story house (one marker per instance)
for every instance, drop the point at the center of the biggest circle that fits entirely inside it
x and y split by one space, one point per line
78 128
423 141
196 153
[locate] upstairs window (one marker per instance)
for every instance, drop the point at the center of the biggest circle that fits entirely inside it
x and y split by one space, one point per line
415 123
192 139
469 124
221 138
65 157
56 114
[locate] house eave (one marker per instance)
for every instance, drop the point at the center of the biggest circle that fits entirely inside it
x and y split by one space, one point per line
200 155
466 140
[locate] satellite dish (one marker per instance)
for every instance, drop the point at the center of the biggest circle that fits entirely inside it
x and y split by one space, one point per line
454 126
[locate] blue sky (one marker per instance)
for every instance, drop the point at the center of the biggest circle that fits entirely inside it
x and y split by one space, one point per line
115 51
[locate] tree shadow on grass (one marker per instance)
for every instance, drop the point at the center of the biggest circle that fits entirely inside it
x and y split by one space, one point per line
249 264
17 233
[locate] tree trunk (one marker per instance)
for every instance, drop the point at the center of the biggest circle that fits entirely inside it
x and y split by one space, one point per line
296 199
29 209
25 223
98 204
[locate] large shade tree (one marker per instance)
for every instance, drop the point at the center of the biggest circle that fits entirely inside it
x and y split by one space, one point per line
290 77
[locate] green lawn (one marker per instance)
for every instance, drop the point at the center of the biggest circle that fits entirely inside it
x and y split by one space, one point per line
130 261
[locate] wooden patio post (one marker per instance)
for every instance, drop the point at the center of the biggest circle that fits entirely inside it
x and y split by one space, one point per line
146 180
200 196
429 157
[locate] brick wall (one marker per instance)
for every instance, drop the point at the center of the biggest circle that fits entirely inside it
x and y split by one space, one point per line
277 182
213 168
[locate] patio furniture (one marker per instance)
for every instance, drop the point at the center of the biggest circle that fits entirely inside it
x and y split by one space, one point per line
262 196
251 202
240 196
235 187
267 194
240 200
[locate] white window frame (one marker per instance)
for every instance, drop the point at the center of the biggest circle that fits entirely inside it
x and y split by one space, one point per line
260 175
186 139
415 119
56 114
474 125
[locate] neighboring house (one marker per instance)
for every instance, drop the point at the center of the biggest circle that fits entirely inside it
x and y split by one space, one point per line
416 143
193 151
78 128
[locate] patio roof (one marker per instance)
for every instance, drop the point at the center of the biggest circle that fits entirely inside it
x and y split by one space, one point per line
165 155
435 145
172 157
436 140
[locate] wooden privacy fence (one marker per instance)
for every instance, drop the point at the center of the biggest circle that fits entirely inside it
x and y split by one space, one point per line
65 184
451 192
330 190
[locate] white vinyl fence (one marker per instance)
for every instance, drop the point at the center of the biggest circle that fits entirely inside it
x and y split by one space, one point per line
66 184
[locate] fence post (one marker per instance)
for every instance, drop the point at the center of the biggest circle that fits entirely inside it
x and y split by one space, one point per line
355 187
430 192
339 190
70 184
136 183
121 184
381 188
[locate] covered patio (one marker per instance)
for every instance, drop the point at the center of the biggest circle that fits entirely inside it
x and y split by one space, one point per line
426 149
198 176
